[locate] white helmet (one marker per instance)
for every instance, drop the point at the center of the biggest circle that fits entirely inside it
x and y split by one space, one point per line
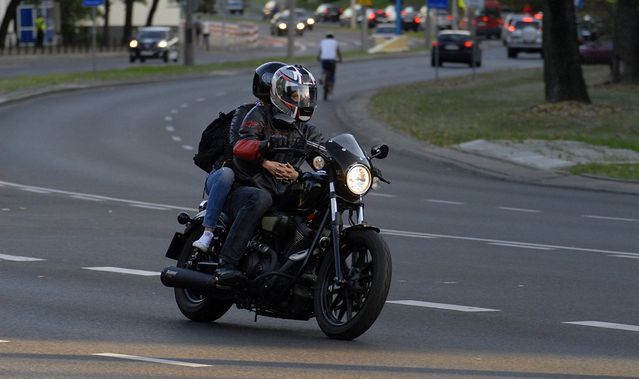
294 92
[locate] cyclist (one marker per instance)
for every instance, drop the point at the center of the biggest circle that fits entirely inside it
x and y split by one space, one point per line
329 55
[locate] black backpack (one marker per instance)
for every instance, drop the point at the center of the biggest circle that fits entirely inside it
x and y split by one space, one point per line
214 147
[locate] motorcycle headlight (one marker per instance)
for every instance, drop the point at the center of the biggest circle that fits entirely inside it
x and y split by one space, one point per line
133 44
358 179
318 163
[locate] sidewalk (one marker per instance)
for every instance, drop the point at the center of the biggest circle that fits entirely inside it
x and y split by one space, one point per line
512 167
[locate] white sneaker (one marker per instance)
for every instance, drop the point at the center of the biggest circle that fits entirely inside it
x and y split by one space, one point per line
204 242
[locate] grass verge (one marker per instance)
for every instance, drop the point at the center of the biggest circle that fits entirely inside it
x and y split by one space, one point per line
510 105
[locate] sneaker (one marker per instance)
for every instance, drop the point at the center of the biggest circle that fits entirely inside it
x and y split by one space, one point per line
227 273
204 243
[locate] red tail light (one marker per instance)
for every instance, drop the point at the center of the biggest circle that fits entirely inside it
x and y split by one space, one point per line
484 18
539 16
371 16
450 17
468 44
418 20
435 43
511 28
527 19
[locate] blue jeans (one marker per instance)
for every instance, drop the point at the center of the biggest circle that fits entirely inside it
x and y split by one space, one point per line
247 205
217 187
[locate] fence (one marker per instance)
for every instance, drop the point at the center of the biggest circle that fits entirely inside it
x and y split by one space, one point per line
81 48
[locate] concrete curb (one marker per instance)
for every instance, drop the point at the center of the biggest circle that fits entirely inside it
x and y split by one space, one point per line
356 116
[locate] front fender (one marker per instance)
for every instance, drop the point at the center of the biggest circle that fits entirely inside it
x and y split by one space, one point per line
359 227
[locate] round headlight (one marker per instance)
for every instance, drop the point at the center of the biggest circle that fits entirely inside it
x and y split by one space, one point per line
300 25
310 21
163 44
358 179
318 163
133 44
281 25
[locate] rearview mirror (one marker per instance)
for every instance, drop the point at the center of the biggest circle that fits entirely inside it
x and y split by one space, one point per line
379 151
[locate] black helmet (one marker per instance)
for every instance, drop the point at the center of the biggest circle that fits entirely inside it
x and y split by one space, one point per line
294 92
262 80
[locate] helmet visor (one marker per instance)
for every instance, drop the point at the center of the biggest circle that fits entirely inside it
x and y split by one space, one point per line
301 95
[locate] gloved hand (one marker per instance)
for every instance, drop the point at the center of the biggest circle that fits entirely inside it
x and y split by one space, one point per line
278 141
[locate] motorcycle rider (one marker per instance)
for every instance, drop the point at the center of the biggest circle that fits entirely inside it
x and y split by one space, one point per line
261 170
220 181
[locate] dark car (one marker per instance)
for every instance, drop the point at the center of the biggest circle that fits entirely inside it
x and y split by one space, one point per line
596 52
328 12
279 24
455 46
154 42
410 19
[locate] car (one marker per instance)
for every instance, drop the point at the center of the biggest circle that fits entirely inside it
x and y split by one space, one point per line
410 19
270 8
488 20
306 16
384 31
509 25
154 42
596 52
345 17
526 37
235 6
279 25
328 12
455 46
443 19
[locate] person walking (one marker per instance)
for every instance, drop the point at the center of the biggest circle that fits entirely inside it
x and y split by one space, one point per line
329 55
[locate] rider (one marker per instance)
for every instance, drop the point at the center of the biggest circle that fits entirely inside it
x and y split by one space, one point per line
262 171
329 55
220 180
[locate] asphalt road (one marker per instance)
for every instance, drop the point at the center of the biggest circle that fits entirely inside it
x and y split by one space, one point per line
490 278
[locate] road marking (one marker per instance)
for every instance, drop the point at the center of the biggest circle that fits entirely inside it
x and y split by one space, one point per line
200 99
176 138
152 360
123 271
89 198
15 258
174 111
611 218
220 94
188 147
144 206
168 118
381 194
623 256
606 325
519 209
185 105
521 246
463 238
4 341
35 190
169 128
450 307
444 202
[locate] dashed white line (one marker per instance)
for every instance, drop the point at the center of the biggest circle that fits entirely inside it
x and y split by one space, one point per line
400 233
149 207
519 209
188 147
174 111
169 128
605 325
89 198
120 270
523 246
623 256
444 202
200 99
151 360
610 218
381 195
34 190
176 138
450 307
185 105
220 94
15 258
168 118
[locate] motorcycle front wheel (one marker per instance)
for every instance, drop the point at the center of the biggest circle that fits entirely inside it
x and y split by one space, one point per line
196 305
346 310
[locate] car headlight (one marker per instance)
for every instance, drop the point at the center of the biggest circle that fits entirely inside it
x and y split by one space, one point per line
163 44
358 179
281 25
300 25
310 21
133 44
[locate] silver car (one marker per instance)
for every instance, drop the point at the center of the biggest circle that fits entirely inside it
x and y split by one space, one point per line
526 37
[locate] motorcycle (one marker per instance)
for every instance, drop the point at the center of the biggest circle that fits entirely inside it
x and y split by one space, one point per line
303 261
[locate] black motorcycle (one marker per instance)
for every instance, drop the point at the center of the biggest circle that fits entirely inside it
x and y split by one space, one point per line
303 261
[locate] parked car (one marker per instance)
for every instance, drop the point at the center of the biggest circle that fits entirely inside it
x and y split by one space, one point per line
328 12
526 37
596 52
154 42
279 25
270 8
455 46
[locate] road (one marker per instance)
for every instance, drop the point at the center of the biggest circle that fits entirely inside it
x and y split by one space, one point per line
490 278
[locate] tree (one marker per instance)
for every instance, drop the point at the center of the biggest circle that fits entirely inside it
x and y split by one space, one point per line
9 15
154 7
626 43
106 34
71 11
128 21
563 76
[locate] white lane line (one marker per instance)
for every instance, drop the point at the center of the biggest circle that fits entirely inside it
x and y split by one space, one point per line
185 105
149 207
152 360
188 147
123 271
450 307
220 94
174 111
380 194
4 341
15 258
401 233
89 198
444 202
107 198
610 218
521 246
623 256
35 190
519 209
168 118
606 325
169 128
176 138
200 99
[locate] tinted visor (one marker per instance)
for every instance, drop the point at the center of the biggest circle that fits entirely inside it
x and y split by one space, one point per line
302 95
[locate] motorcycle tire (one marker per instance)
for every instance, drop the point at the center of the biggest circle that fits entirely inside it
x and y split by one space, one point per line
346 312
197 306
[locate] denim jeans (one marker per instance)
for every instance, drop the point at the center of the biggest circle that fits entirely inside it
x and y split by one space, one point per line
247 205
217 187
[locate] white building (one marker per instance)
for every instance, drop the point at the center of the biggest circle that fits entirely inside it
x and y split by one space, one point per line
166 14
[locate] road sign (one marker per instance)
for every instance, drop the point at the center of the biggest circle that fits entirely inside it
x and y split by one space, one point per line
437 4
92 3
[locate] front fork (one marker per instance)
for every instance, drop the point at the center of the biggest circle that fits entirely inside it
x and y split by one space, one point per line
339 278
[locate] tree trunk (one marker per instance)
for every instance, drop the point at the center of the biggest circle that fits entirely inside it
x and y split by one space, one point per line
563 76
128 22
626 43
9 15
106 30
154 7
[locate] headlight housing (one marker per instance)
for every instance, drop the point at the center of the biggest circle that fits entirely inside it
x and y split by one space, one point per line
281 25
162 44
358 179
133 44
300 25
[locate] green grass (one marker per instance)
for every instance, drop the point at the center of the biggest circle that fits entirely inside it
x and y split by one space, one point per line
619 171
510 106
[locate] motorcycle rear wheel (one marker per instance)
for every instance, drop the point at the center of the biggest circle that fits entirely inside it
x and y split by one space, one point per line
346 311
195 305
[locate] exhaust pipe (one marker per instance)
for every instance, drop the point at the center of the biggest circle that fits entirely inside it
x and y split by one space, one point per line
182 278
